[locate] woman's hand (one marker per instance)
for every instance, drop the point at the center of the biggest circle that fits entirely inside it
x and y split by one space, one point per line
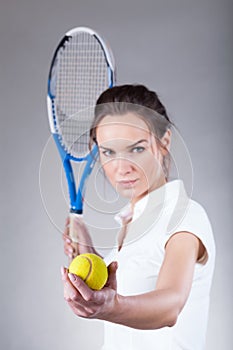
89 303
151 310
85 245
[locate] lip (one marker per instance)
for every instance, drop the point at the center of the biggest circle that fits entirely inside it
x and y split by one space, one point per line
127 183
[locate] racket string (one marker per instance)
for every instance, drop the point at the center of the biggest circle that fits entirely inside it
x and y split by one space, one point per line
82 75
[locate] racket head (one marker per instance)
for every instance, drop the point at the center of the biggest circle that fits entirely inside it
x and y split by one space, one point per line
81 69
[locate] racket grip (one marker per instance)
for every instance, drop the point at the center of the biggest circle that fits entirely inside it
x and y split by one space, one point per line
72 232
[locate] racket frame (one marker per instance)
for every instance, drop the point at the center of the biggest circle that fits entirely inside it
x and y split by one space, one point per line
76 196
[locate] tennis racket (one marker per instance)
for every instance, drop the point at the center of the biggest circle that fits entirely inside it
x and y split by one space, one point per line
82 68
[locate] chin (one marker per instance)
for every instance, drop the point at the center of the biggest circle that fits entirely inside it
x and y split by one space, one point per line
130 194
133 195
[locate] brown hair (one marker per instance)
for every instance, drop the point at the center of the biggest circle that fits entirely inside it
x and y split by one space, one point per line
139 100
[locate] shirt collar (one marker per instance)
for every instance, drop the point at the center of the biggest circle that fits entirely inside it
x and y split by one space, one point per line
167 192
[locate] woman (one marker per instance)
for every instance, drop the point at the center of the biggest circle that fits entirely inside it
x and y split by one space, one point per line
157 295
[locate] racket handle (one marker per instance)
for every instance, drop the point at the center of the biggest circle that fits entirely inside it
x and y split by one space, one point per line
72 232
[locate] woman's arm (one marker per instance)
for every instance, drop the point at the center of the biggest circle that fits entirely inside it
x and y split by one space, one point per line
162 306
152 310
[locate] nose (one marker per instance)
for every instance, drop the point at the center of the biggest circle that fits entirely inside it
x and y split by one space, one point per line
123 166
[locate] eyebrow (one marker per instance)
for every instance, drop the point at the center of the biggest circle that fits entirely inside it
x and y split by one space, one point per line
130 146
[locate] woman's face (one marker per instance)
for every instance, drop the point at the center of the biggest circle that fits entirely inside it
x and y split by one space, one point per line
129 155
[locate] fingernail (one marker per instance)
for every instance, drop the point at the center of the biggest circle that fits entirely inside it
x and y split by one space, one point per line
72 277
70 249
62 271
68 240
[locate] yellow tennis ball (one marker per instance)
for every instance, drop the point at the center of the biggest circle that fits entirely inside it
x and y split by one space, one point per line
91 268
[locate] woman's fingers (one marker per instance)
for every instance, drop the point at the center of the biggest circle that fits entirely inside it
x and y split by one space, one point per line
112 281
84 245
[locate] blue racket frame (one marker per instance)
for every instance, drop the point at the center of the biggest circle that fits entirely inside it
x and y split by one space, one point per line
76 196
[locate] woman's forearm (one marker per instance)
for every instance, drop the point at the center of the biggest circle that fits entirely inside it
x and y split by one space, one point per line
161 307
153 310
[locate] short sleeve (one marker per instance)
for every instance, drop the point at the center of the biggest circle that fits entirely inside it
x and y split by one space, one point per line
193 218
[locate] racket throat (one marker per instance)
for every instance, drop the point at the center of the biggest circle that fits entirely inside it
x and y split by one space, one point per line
76 211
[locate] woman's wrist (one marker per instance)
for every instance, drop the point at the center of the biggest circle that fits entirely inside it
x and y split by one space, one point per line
116 310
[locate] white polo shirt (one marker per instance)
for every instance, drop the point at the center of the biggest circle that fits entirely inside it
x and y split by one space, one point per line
156 217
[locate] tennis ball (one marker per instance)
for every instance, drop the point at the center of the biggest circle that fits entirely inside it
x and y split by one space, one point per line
91 268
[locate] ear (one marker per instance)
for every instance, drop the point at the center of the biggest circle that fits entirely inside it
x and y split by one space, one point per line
166 142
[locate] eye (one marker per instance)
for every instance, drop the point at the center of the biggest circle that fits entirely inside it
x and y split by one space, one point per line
138 149
108 153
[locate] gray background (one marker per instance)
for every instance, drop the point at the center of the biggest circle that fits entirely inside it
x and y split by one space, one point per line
183 50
